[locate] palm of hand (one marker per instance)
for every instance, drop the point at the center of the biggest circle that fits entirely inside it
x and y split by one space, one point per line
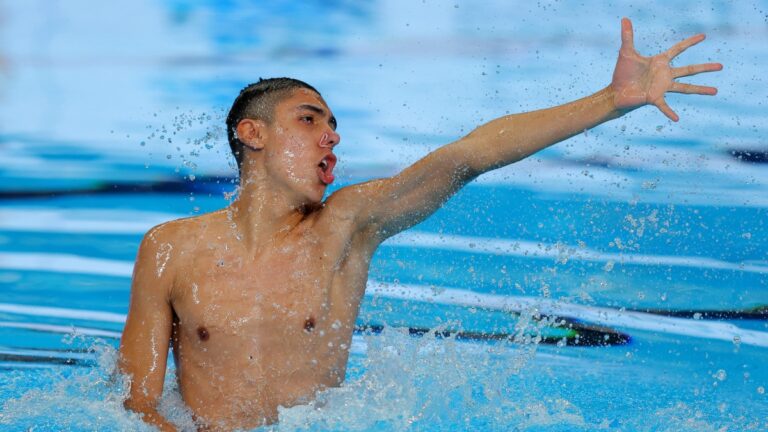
639 80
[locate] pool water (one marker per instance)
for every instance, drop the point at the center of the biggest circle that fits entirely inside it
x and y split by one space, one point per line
617 281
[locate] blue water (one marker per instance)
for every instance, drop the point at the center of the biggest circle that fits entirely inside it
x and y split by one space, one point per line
111 122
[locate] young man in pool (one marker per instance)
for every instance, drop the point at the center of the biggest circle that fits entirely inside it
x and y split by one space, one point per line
259 300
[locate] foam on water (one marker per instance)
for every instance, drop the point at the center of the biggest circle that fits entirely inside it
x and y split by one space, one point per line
427 384
73 399
404 382
400 383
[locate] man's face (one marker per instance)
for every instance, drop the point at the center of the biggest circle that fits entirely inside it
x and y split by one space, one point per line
299 155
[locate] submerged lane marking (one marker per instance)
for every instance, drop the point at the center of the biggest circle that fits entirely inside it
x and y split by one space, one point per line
94 221
437 295
55 312
138 222
590 314
529 249
65 263
50 328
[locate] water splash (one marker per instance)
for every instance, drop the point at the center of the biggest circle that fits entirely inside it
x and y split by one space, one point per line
402 382
428 383
74 399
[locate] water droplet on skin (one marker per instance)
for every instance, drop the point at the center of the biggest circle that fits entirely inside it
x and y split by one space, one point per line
162 257
194 294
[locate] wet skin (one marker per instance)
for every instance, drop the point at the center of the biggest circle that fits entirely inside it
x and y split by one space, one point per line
259 299
262 305
255 331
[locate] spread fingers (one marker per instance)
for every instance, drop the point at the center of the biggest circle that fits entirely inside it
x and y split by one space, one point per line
692 89
661 104
695 69
683 45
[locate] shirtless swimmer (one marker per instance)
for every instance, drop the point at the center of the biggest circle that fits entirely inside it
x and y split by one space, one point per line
259 300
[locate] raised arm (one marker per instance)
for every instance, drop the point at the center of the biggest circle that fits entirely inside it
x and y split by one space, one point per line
395 204
147 333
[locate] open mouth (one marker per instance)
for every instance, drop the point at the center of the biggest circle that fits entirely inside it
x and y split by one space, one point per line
325 169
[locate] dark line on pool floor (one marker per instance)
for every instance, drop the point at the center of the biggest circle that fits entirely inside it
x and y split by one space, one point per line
44 359
583 335
756 156
200 185
758 313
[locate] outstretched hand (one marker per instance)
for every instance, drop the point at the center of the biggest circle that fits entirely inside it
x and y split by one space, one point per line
639 80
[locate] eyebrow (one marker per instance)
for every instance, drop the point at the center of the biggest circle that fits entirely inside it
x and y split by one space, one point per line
318 110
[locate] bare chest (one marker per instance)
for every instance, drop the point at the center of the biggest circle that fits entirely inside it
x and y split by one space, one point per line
282 289
282 293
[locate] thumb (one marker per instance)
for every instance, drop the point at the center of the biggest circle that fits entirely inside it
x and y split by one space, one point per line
627 34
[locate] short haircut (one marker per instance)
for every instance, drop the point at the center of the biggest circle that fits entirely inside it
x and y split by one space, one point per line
257 101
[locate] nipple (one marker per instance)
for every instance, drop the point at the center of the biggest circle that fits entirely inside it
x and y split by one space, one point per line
309 324
202 333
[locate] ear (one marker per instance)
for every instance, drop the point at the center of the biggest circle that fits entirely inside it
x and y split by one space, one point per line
252 133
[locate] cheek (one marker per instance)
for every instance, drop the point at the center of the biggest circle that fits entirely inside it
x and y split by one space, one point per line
294 147
291 156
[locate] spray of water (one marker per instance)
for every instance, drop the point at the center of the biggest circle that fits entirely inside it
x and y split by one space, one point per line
401 383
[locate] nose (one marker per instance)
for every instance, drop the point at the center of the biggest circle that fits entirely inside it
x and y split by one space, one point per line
330 139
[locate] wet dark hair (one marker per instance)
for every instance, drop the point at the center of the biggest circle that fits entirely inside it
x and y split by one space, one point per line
257 101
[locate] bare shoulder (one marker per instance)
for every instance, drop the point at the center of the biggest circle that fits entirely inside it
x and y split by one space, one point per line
160 252
173 233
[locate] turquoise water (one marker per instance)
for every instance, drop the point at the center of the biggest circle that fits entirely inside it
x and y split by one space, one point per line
617 281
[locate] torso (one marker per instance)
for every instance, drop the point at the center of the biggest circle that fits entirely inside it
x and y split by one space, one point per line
256 331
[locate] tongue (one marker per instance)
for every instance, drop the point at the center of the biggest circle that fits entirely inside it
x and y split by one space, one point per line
326 175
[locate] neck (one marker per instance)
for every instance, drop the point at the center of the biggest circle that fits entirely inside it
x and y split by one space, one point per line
261 211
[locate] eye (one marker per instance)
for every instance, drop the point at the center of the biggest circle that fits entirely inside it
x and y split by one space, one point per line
308 119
